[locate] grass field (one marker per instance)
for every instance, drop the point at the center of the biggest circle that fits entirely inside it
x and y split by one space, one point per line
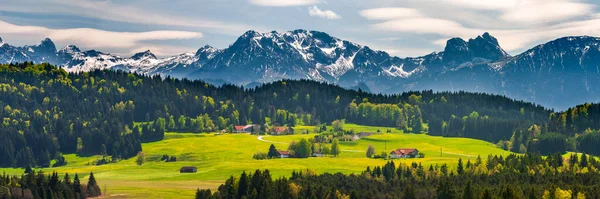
219 156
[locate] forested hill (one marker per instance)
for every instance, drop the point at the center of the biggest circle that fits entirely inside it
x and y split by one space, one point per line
47 111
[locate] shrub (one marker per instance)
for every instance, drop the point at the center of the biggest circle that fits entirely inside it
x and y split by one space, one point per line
260 156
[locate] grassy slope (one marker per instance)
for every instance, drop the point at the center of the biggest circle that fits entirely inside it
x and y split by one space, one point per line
218 157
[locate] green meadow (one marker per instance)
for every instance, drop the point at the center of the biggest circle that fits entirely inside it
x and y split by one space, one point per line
219 156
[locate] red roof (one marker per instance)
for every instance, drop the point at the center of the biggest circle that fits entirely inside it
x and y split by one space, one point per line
280 129
239 128
401 151
284 152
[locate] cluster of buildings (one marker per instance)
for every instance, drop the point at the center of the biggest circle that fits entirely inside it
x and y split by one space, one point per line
276 130
404 153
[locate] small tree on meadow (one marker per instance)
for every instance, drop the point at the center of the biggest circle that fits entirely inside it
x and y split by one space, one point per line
140 158
338 125
335 147
370 151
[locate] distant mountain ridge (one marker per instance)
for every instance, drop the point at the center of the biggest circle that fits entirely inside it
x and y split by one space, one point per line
557 74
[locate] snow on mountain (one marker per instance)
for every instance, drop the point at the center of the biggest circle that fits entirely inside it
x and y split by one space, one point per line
551 73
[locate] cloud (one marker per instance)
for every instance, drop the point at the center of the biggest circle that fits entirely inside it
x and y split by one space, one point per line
327 14
516 29
528 11
425 25
390 13
106 10
283 3
94 38
536 12
484 4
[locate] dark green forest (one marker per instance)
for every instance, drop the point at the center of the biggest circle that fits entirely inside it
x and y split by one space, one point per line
47 112
512 177
39 185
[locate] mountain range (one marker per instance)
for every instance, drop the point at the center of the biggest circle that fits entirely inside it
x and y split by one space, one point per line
558 74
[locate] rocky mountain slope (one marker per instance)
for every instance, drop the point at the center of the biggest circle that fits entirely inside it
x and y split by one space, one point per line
558 74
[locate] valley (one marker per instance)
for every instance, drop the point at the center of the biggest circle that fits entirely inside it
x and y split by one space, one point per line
219 156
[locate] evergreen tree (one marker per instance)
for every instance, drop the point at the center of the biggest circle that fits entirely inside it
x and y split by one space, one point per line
242 186
409 192
584 160
273 153
459 169
93 189
468 193
77 187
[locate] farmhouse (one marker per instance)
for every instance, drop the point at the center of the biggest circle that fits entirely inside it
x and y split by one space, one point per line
243 129
281 130
317 154
284 154
188 169
404 153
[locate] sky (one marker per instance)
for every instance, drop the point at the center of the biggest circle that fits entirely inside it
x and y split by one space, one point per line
404 28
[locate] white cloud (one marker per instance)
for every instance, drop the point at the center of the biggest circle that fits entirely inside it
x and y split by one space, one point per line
327 14
528 11
425 25
484 4
283 3
536 12
94 38
390 13
106 10
530 22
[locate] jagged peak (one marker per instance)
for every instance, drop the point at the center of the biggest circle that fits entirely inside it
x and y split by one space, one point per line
250 33
485 37
206 49
46 41
71 48
145 54
456 43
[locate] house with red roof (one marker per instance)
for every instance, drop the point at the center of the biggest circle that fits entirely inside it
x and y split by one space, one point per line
404 153
243 129
281 130
284 154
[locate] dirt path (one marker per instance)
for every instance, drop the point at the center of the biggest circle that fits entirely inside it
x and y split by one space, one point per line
260 138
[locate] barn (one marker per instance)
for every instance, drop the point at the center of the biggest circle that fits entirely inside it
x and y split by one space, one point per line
405 153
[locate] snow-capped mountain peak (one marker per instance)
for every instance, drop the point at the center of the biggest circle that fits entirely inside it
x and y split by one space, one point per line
476 64
143 55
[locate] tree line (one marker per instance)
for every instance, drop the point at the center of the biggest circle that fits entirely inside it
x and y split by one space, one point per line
39 185
513 176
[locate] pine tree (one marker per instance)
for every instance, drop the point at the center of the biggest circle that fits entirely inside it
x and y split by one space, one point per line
273 153
460 170
93 189
77 186
409 192
584 161
242 186
468 193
